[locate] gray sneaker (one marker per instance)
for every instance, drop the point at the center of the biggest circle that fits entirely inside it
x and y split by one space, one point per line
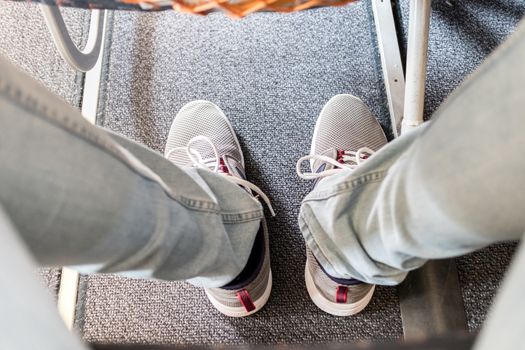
201 135
345 135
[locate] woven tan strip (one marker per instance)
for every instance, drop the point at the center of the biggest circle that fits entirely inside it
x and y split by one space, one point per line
240 8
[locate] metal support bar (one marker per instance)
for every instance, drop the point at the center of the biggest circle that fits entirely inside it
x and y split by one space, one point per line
431 301
91 91
83 60
417 53
67 296
390 61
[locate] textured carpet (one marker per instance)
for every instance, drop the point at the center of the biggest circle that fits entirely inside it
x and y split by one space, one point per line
271 74
480 276
50 278
26 41
462 34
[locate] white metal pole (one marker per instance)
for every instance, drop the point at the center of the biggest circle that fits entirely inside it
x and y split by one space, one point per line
92 79
417 53
67 296
390 61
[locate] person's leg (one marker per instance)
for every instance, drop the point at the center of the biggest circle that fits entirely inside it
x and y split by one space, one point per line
503 329
28 319
79 198
446 189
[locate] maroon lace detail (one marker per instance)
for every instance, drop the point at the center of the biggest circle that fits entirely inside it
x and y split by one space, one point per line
341 296
222 167
341 154
246 300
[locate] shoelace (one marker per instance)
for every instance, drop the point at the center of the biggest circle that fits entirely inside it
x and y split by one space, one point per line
199 162
349 160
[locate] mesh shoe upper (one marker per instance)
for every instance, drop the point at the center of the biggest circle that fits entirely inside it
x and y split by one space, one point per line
202 118
346 123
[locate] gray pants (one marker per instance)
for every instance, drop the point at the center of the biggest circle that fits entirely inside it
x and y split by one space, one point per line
76 195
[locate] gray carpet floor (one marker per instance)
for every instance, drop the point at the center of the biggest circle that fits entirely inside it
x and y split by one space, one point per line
26 42
480 275
272 74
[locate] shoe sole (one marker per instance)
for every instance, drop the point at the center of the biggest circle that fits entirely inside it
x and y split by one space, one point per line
241 311
330 307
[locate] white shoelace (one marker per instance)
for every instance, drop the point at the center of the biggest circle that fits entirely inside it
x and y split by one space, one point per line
350 161
199 162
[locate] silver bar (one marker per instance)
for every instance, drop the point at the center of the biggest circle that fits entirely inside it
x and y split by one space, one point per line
67 296
83 60
91 91
417 54
390 61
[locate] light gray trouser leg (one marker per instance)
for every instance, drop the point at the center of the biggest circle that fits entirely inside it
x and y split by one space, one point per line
443 190
79 198
28 317
505 324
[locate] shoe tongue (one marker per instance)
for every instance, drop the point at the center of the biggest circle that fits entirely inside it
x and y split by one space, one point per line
320 165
